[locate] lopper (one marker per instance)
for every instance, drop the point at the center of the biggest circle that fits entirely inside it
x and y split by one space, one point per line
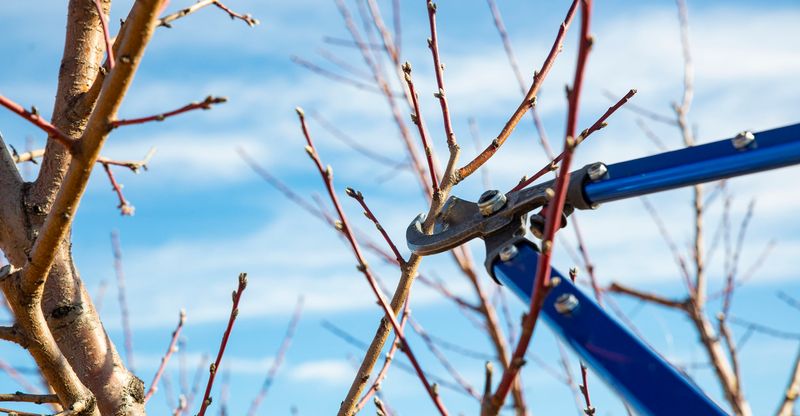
644 379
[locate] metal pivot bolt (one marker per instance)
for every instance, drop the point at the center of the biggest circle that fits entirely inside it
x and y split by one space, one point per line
508 252
566 303
597 171
490 202
743 140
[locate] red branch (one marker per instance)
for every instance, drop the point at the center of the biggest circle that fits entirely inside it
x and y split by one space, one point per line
527 102
38 121
552 222
585 391
212 371
599 124
327 177
376 385
125 208
106 33
433 44
165 359
203 105
358 196
418 121
276 364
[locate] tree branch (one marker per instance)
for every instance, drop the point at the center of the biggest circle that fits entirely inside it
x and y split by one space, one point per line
327 176
647 297
212 371
202 105
528 101
276 363
599 124
29 398
164 360
37 120
59 219
167 20
786 408
12 334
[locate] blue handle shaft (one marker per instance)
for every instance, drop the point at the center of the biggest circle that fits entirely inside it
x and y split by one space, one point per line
643 378
771 149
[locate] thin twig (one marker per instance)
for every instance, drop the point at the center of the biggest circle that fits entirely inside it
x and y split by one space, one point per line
165 359
599 124
554 211
358 196
327 175
417 119
202 105
433 44
212 371
512 60
37 120
167 20
646 296
106 34
528 101
276 363
443 359
786 407
125 208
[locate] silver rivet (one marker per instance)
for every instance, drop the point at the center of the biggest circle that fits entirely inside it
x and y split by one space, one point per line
743 140
508 252
491 202
597 171
566 303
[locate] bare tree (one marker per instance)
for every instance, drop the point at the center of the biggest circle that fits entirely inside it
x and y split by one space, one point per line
56 320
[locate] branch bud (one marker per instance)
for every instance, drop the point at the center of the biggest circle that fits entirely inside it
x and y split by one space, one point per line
300 112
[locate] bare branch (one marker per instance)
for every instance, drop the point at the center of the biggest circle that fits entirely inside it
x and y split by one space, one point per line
202 105
433 44
599 124
276 363
528 101
165 359
106 34
29 398
554 212
327 175
12 334
166 21
37 120
358 196
443 360
417 118
212 371
512 60
647 297
786 408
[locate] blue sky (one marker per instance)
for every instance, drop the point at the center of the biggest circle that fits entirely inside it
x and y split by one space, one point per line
202 216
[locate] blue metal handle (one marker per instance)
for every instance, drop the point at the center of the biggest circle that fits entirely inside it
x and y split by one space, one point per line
770 149
642 377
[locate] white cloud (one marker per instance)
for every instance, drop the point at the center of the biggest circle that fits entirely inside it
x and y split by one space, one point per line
331 372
